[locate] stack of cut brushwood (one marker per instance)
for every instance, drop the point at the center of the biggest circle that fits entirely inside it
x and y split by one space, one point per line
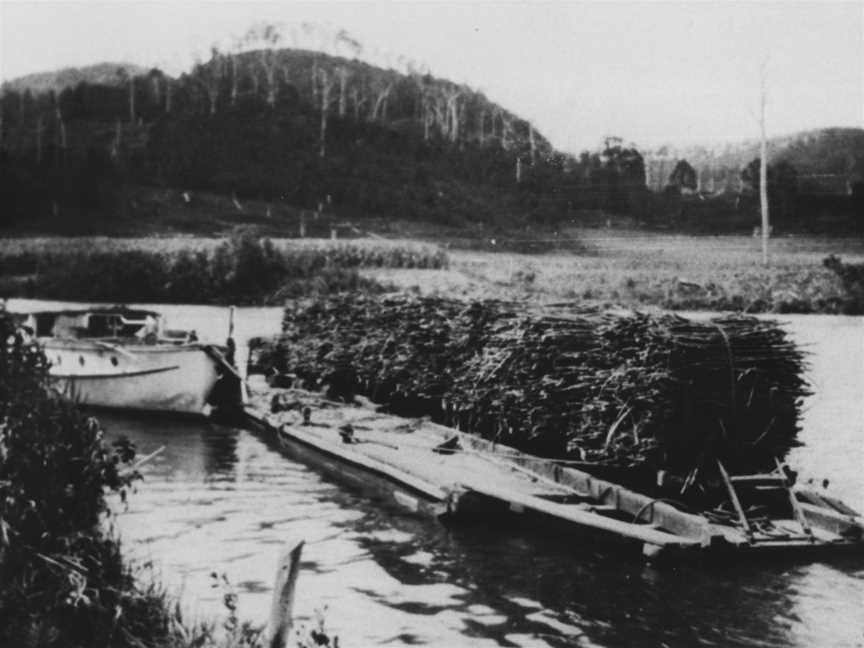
624 392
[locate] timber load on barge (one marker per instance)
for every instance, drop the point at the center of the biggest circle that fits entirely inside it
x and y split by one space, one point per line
433 469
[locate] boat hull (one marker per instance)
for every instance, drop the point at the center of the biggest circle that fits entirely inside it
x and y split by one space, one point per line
159 378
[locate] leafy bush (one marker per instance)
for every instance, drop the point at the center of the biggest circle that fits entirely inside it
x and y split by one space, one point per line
62 580
243 270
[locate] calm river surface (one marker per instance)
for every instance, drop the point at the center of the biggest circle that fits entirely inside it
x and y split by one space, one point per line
222 499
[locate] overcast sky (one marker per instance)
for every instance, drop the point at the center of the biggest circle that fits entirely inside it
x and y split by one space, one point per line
651 72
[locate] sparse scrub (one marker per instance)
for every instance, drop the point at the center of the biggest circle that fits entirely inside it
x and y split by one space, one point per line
852 277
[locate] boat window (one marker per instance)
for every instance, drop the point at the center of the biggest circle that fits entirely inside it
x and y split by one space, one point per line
59 360
114 360
81 360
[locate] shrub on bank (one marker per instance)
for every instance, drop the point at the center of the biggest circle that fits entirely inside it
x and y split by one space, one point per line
61 579
243 270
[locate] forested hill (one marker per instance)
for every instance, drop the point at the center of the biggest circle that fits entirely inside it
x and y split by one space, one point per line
826 156
298 129
290 131
59 80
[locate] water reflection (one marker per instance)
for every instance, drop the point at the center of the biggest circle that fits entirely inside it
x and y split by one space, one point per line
223 499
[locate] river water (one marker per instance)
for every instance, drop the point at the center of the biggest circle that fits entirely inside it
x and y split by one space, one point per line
220 499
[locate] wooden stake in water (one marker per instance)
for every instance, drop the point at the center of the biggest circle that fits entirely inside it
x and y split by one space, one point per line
281 612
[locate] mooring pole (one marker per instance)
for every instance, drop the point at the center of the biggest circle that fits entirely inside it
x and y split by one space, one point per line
281 610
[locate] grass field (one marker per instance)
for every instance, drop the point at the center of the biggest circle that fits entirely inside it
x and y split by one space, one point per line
611 268
634 269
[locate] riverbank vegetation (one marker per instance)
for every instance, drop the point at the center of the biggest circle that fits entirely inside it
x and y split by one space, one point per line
63 580
597 267
242 270
623 392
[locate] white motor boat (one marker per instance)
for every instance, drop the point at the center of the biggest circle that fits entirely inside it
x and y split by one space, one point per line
123 358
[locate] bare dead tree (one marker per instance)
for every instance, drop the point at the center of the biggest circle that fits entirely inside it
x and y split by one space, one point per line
452 113
532 143
326 83
40 127
357 100
507 132
117 142
234 57
132 118
763 162
383 93
348 45
342 73
127 77
61 128
210 77
266 37
168 95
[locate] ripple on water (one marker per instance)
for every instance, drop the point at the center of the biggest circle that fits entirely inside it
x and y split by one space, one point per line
218 499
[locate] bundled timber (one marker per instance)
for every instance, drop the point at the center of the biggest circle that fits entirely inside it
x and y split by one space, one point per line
620 394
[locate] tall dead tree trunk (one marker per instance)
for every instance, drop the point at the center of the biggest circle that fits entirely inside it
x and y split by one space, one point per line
61 129
763 170
39 128
382 97
453 115
532 143
132 99
269 65
326 87
235 80
358 102
118 140
342 71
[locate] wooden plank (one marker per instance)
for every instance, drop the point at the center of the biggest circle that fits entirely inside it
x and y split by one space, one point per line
742 517
758 480
281 610
343 452
574 513
793 500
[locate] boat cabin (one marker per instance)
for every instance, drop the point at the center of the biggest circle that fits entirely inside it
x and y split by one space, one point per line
104 323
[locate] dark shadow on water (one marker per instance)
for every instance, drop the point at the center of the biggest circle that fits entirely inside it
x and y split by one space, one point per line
195 447
551 584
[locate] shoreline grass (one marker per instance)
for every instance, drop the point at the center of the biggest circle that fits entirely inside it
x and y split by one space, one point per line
613 268
242 270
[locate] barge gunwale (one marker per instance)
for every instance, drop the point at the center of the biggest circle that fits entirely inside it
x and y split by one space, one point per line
661 529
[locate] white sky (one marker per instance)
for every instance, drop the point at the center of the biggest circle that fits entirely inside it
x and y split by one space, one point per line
651 72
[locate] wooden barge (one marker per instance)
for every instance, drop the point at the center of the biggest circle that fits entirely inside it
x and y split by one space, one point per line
432 469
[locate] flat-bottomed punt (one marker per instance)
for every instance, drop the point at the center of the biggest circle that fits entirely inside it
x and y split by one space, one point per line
437 470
